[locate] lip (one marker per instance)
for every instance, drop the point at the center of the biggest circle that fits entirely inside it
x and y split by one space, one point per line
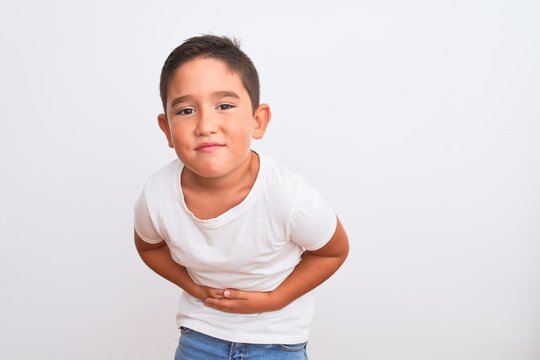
208 147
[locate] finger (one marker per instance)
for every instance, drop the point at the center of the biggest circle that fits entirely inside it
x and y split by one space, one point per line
235 294
216 293
226 305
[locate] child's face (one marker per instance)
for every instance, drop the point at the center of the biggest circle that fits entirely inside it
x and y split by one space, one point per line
210 120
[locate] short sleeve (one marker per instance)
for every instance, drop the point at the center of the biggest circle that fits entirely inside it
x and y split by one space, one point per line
143 221
312 222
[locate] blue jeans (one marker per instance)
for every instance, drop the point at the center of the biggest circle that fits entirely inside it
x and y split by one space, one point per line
194 345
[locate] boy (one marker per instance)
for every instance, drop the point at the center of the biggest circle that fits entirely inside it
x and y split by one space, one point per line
244 238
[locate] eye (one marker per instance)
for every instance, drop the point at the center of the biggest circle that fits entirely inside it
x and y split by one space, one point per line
224 107
185 111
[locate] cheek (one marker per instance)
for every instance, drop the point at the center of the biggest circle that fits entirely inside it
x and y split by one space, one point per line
245 129
245 135
179 130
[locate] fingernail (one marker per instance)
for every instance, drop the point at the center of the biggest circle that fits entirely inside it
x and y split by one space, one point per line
227 293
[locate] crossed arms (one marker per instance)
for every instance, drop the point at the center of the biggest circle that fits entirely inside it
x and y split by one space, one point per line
314 268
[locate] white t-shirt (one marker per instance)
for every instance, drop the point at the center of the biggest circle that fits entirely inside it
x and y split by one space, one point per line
253 246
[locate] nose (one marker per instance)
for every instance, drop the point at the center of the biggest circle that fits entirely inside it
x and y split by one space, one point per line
206 124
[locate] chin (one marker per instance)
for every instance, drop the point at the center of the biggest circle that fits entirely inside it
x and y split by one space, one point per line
210 173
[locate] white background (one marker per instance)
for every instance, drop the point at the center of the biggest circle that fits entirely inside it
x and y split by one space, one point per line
419 121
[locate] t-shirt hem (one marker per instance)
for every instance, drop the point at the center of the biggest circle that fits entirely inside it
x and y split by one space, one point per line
247 338
144 238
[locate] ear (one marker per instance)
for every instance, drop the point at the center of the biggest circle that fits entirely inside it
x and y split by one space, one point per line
164 126
262 118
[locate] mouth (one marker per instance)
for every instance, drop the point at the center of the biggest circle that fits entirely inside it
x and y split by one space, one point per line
208 147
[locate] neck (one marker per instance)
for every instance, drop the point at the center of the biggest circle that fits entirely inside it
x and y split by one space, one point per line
242 177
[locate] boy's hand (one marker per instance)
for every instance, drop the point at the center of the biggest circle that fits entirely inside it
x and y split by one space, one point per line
314 268
204 292
242 302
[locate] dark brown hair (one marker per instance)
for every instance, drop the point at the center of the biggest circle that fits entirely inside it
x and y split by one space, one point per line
218 47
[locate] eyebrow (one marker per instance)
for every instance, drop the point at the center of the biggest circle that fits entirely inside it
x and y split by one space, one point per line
178 100
216 94
226 94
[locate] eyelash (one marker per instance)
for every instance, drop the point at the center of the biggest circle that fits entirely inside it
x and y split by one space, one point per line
227 106
183 111
221 107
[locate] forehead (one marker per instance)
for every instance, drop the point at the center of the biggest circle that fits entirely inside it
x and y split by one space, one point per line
202 76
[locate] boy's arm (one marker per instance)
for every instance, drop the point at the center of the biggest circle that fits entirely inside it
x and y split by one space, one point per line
314 268
158 258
